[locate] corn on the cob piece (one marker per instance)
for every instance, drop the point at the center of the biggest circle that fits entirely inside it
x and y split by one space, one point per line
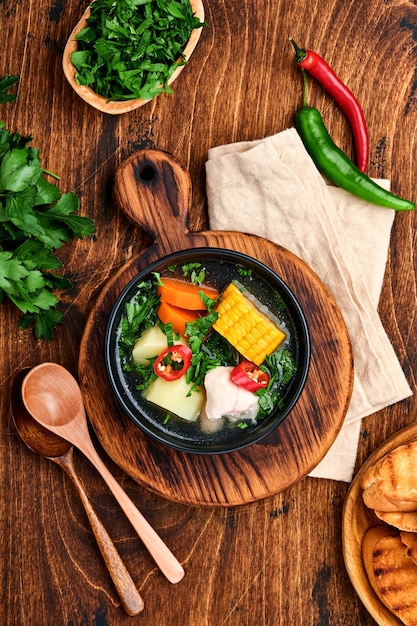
247 328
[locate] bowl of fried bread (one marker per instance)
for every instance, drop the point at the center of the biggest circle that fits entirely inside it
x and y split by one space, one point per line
380 532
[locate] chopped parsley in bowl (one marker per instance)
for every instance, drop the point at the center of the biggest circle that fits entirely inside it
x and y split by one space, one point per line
125 51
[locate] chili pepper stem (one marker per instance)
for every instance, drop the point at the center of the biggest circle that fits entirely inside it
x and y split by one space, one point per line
300 53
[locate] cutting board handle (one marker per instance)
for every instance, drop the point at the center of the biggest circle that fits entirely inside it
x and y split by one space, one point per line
154 190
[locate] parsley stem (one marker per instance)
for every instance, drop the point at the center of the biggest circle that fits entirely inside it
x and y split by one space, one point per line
51 174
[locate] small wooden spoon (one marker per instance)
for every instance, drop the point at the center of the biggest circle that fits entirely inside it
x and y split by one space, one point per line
53 398
120 106
46 443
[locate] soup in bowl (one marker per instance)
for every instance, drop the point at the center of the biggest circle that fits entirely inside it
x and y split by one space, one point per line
207 350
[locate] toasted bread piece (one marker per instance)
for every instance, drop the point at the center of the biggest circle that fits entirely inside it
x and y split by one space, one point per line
389 485
410 541
374 498
371 475
403 520
391 572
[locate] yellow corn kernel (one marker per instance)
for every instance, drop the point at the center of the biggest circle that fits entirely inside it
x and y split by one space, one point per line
248 329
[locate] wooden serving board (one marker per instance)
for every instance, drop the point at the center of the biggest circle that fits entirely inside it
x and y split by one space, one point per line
154 190
357 519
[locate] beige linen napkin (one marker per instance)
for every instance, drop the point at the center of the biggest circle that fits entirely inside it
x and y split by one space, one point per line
271 188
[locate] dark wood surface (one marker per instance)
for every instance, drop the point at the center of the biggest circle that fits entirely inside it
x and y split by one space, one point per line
278 561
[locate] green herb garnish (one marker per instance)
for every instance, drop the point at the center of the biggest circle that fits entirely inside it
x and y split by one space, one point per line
139 314
243 271
281 367
35 220
5 84
195 271
130 48
280 302
158 280
209 349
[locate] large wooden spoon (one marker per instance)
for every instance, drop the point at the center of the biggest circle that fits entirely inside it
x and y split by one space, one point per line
46 443
119 106
52 396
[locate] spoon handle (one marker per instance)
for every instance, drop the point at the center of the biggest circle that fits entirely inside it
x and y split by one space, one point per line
126 588
162 555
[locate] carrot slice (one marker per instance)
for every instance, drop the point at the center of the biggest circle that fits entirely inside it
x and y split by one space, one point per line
184 295
176 316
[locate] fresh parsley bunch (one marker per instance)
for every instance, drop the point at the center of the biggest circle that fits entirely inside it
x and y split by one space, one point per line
130 48
35 220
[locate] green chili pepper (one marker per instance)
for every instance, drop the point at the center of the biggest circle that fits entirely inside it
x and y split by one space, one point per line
336 165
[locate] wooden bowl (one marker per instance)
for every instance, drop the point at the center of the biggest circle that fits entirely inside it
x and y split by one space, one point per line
357 519
121 106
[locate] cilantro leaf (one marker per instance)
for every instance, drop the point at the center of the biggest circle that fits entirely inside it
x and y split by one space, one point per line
5 84
140 313
35 220
64 211
15 171
35 255
44 322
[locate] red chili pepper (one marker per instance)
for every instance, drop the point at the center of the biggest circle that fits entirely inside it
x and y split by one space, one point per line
173 362
249 376
321 71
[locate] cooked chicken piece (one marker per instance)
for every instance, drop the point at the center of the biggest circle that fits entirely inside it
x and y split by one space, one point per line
226 399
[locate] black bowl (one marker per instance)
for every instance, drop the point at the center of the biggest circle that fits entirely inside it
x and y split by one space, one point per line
177 433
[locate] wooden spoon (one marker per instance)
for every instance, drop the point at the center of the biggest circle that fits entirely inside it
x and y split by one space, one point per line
52 396
120 106
46 443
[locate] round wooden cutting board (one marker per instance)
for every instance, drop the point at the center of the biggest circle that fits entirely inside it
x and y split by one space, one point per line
357 519
154 190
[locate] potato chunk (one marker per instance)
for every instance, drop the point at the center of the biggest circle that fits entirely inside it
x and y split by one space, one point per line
151 343
172 396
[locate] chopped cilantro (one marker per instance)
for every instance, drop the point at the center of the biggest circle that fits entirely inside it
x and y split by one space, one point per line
158 279
209 349
281 366
280 302
139 314
130 48
195 271
243 271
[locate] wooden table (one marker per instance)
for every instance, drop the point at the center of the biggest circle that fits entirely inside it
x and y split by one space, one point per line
278 561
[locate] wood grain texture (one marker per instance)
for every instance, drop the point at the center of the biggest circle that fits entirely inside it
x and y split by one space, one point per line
279 561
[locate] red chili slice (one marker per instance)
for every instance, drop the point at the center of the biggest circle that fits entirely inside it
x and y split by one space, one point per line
173 362
249 376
